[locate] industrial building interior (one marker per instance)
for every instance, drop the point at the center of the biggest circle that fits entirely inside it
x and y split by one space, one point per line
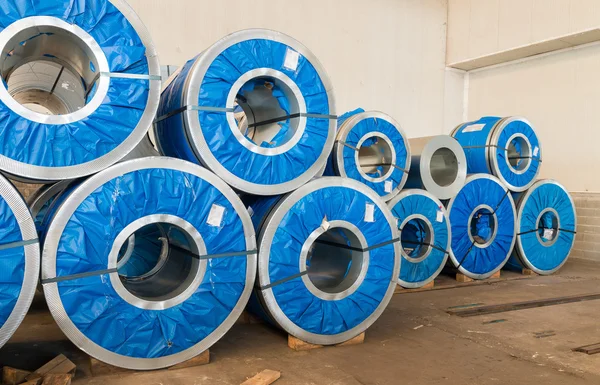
189 192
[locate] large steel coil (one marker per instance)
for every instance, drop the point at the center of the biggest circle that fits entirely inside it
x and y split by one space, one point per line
256 108
80 87
328 259
175 312
438 165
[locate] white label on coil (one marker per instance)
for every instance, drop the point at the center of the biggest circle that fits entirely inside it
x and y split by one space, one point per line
536 151
250 211
370 212
473 128
388 186
215 216
325 225
440 216
548 233
291 60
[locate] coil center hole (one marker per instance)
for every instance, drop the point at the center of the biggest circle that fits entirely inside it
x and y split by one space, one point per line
48 70
264 106
416 238
375 157
482 227
333 269
548 227
443 167
518 154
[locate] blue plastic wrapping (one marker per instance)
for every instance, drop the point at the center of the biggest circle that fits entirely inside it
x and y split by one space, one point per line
93 305
417 271
546 226
486 141
368 127
145 254
297 303
224 148
12 262
63 145
470 222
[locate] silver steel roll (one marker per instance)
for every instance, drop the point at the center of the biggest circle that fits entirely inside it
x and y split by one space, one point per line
20 256
438 166
161 320
288 128
328 259
372 148
79 90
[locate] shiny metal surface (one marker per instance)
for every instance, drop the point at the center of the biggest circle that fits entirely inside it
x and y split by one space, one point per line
438 165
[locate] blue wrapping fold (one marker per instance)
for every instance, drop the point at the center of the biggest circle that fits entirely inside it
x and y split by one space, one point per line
12 262
473 259
351 167
92 303
216 85
304 309
85 140
532 252
420 272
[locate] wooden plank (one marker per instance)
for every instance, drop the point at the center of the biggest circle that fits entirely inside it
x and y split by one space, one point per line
359 339
99 368
300 346
529 272
13 376
501 308
460 277
59 365
266 377
588 349
37 381
57 379
201 359
429 286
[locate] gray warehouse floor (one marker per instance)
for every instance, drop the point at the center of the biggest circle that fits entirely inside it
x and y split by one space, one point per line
414 342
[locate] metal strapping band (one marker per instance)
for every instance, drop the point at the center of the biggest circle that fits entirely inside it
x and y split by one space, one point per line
79 276
547 228
192 108
505 149
292 116
117 75
12 245
342 246
284 280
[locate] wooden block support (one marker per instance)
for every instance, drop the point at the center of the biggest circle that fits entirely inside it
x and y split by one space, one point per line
460 277
12 376
57 379
59 365
299 345
33 382
266 377
99 368
428 286
528 272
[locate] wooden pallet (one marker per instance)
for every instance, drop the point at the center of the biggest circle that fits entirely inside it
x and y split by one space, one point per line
300 346
460 277
99 368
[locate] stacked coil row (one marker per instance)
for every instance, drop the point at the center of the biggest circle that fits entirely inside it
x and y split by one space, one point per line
148 257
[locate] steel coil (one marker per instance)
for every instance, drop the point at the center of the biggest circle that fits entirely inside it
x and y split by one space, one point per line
371 148
483 221
546 227
176 312
425 236
256 108
20 260
438 165
81 85
507 148
328 259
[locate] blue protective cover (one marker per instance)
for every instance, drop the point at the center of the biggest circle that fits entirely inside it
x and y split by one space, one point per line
12 262
224 71
295 300
88 139
526 178
474 259
428 268
541 257
92 303
361 129
473 137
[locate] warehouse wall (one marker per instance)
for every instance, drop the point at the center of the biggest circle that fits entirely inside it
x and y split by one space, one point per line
380 54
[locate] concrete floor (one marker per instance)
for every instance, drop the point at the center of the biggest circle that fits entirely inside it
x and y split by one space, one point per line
414 342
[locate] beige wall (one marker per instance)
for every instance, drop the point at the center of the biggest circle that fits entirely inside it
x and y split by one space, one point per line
387 55
482 27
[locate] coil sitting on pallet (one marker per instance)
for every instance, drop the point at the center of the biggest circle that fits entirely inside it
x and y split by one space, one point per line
328 259
178 311
425 236
438 165
508 148
482 219
546 226
19 258
371 148
80 87
289 126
